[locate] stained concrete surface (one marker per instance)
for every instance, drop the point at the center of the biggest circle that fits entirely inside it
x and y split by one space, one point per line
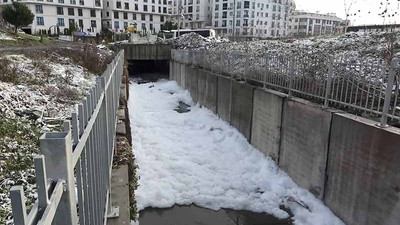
194 215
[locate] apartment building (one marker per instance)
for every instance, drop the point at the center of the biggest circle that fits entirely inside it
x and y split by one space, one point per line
196 13
145 15
257 18
57 15
313 24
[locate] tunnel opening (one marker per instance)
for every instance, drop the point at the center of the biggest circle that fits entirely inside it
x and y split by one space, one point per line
149 70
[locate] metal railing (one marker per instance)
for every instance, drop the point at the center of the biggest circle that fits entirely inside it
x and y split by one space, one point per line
77 161
368 87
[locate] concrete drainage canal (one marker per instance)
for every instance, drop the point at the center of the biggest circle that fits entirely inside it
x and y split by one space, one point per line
186 170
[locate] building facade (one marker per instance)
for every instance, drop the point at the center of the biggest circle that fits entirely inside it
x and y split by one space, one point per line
53 16
145 15
194 14
313 24
257 18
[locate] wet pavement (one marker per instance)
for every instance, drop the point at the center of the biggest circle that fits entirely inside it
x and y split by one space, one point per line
193 215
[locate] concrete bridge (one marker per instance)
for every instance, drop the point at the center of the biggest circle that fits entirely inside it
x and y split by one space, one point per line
146 51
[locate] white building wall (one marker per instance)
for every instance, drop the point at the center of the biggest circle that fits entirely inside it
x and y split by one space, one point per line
262 18
197 13
147 15
313 24
48 16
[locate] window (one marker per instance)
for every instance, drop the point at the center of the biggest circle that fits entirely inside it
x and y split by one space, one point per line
80 13
80 22
71 11
126 4
39 9
73 2
71 22
125 25
116 24
92 13
134 16
60 11
143 17
118 5
60 22
93 23
61 1
125 16
145 8
39 21
116 15
81 2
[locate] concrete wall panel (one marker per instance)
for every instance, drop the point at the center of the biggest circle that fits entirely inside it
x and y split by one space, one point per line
242 108
201 89
363 186
304 144
267 119
184 75
211 91
224 98
194 84
188 78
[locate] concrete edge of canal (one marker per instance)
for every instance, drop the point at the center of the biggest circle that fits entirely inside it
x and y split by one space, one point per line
124 180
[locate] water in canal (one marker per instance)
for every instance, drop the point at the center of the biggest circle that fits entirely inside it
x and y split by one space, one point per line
194 215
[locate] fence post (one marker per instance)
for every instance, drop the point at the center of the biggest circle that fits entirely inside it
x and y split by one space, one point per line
18 205
329 83
291 74
41 181
388 93
57 148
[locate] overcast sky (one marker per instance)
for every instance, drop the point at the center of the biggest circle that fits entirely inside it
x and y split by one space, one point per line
368 14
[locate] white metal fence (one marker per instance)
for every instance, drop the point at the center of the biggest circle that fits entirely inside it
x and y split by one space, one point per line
363 86
73 172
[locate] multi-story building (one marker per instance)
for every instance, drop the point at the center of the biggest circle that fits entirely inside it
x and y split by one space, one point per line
196 13
58 15
146 15
313 24
262 18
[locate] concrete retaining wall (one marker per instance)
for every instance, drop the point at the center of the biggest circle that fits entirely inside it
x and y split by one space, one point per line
267 119
363 185
211 91
304 144
146 51
224 98
242 108
346 161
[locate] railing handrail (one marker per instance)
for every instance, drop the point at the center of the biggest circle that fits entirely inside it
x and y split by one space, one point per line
86 147
365 85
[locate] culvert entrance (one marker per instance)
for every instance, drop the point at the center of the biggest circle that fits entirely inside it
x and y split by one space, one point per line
149 70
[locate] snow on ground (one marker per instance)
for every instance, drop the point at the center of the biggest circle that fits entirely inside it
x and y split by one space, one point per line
350 45
37 92
5 37
197 158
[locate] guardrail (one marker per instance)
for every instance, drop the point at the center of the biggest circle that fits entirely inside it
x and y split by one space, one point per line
363 86
77 161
